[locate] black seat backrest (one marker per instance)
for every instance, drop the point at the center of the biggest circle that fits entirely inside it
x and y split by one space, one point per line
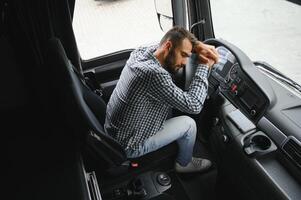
86 109
95 102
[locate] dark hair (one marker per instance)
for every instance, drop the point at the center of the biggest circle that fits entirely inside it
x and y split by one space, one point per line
176 35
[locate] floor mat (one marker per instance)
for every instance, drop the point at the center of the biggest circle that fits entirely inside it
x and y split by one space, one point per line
199 185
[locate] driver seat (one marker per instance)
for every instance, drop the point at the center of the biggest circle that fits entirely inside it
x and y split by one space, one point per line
85 113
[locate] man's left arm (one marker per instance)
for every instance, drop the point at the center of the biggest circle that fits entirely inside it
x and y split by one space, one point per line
190 101
207 54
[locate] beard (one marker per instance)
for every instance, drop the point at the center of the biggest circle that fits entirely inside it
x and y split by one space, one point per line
169 62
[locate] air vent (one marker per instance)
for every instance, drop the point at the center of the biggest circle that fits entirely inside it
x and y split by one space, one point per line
292 148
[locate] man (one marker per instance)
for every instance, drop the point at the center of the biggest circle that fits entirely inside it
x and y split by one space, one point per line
140 103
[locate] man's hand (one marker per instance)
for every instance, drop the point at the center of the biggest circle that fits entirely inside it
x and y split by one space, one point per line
207 54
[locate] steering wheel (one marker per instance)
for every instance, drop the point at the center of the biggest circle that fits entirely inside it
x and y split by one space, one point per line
249 73
189 71
241 58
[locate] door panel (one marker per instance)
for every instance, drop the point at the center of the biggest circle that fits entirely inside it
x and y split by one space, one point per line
106 71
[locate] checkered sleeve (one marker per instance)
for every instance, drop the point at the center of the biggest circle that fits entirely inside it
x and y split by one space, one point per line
190 101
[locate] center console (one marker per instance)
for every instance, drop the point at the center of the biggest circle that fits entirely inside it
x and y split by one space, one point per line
149 185
229 79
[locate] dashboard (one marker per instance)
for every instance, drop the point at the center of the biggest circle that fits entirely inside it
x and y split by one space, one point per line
275 111
229 78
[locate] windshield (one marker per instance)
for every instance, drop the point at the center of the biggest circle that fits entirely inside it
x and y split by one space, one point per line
266 30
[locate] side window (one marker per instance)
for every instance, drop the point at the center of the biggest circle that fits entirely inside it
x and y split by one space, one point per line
102 27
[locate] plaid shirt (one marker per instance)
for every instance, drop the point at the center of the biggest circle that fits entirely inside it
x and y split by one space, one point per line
144 95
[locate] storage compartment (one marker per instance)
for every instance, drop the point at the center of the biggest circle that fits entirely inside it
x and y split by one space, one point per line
258 144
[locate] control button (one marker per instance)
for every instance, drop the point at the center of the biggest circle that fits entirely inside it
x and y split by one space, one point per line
233 88
134 165
163 179
225 138
215 121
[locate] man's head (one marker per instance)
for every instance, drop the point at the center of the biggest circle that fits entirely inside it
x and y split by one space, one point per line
177 45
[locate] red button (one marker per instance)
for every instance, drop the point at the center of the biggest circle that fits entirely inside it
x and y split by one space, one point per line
233 88
134 165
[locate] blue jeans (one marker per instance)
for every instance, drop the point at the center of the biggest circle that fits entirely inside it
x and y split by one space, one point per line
181 129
